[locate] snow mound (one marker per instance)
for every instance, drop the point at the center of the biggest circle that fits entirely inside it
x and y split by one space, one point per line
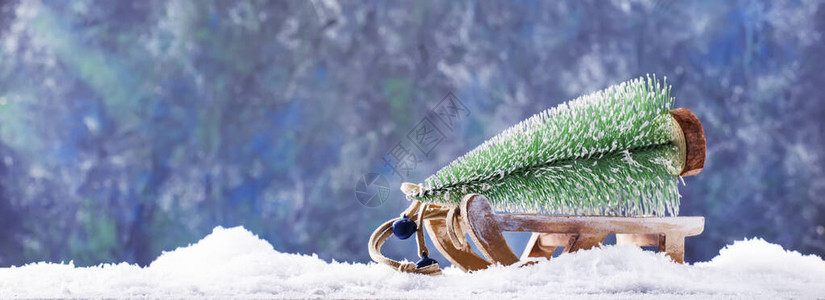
235 263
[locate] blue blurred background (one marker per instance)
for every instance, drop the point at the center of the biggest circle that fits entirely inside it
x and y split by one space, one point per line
130 128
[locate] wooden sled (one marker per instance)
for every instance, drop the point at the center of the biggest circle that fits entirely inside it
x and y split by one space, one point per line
485 228
447 226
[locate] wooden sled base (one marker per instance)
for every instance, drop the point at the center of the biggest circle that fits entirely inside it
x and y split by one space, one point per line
475 217
485 228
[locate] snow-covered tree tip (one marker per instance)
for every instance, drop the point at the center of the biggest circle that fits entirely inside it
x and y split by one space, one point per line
612 152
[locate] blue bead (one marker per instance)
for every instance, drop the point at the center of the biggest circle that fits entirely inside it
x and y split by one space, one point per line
425 261
404 228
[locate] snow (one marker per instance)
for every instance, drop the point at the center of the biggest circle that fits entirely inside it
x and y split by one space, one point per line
235 263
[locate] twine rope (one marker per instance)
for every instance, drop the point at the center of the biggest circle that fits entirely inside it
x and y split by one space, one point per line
420 212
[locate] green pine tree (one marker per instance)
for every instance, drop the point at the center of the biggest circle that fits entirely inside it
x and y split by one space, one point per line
607 153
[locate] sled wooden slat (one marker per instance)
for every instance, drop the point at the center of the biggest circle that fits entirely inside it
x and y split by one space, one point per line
545 244
585 241
641 240
585 224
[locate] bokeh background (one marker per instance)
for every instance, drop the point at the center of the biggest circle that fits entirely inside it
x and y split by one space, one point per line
132 127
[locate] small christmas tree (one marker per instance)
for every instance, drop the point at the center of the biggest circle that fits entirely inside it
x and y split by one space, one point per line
613 152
